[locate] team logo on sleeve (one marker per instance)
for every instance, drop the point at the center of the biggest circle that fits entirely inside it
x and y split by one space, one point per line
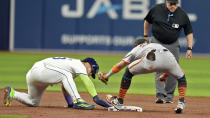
175 25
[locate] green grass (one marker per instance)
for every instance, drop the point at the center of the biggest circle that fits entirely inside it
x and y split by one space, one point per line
14 66
12 116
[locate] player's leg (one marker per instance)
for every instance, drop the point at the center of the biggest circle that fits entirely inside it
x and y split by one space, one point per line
171 82
136 67
170 87
166 90
67 97
140 66
160 86
182 86
70 87
176 71
160 89
35 89
117 102
33 97
125 84
168 93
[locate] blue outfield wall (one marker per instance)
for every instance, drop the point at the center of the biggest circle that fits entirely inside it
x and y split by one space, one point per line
4 24
104 25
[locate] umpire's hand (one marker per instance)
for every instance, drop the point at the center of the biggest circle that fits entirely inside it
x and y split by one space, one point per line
188 54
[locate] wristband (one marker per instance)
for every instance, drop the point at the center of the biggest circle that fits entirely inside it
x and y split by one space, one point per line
115 69
189 48
145 35
100 102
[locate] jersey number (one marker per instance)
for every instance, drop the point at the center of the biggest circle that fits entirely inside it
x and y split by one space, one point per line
59 57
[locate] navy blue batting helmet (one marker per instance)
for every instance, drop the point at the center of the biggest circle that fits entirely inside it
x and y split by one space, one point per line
94 65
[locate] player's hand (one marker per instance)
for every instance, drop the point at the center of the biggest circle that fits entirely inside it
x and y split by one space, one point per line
102 77
163 77
147 39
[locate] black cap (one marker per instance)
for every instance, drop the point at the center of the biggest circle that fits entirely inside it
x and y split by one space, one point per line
93 65
139 41
172 1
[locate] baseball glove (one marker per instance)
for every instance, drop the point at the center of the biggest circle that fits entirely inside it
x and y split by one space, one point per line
163 77
102 77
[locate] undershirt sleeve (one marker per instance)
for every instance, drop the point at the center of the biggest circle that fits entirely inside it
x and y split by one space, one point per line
88 84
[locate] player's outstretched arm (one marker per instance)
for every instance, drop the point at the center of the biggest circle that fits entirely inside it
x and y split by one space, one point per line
88 85
92 91
100 102
116 68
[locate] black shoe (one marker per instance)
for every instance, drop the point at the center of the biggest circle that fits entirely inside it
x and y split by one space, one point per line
114 101
160 101
169 101
120 100
70 105
180 107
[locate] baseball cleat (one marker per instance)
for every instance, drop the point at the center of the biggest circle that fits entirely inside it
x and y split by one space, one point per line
8 96
114 101
81 104
170 102
180 107
70 105
160 101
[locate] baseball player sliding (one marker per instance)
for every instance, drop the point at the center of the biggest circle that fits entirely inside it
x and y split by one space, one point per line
147 58
58 70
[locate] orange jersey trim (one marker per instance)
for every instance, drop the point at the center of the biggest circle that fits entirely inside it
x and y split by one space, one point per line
126 62
136 63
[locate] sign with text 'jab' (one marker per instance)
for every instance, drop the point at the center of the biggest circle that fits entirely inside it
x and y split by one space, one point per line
109 25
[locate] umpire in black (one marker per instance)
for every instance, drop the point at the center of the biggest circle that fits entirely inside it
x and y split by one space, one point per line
167 20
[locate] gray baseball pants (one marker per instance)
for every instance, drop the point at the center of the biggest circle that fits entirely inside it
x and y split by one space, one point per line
166 90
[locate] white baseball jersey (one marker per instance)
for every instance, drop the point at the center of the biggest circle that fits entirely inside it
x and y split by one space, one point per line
73 66
52 71
164 60
140 51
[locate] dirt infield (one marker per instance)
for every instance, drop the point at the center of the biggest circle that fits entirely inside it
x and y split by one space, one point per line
52 106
